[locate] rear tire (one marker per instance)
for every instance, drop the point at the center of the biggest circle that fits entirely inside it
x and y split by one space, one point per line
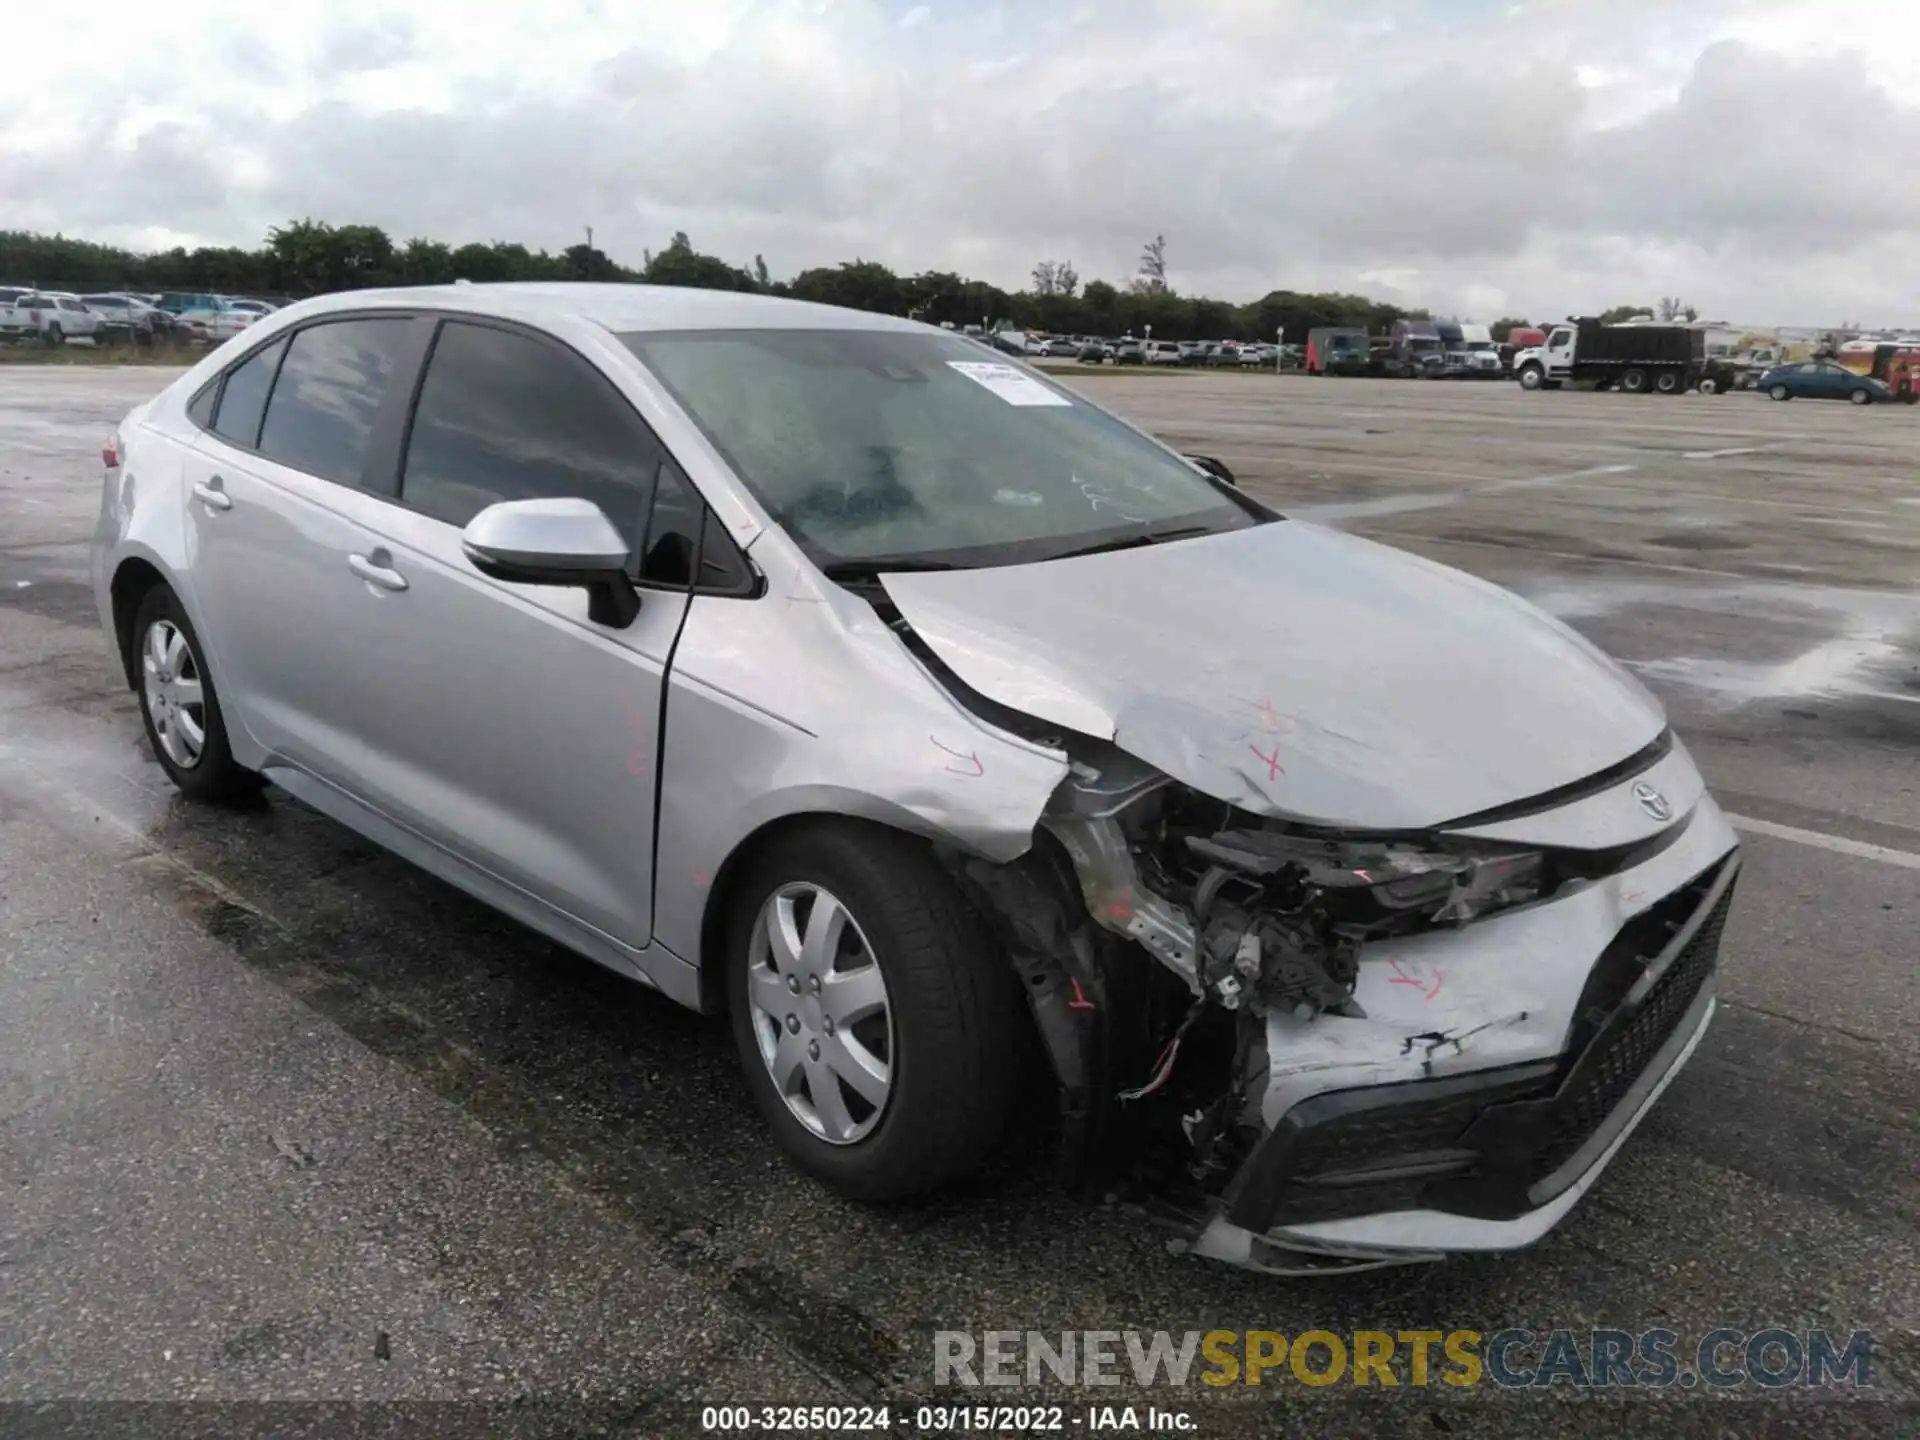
952 1012
1667 383
1859 397
1634 382
1709 385
179 705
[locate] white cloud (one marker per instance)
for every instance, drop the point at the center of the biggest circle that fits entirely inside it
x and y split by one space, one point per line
1750 155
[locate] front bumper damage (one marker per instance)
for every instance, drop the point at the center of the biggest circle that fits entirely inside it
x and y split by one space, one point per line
1463 1093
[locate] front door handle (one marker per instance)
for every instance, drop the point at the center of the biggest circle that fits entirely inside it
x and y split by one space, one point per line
377 569
212 494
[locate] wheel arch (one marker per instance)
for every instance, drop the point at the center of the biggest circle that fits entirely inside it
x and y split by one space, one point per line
724 888
132 579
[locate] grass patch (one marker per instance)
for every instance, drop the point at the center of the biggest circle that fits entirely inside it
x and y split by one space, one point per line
83 355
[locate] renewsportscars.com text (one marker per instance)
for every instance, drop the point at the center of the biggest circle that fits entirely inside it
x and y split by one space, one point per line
1512 1358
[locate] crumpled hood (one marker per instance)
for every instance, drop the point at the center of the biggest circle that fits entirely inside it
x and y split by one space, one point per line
1295 671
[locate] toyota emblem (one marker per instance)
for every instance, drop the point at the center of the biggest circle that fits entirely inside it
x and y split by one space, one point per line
1652 801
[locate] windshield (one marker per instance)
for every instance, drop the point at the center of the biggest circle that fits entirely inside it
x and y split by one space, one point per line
880 444
1423 342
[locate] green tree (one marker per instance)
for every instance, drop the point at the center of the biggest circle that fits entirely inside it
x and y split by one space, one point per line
1617 313
1505 326
856 284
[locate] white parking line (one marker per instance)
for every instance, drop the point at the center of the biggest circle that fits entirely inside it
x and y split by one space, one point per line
1722 454
1839 844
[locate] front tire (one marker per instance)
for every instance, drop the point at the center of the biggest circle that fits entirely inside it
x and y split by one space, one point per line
180 706
879 1031
1530 377
1780 392
1859 397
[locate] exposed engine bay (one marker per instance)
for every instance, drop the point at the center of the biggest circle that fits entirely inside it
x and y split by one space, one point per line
1252 912
1252 917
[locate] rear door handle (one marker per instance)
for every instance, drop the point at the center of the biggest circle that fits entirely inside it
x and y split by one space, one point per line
377 569
212 493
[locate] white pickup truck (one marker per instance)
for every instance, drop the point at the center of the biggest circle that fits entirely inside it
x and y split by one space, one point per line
49 317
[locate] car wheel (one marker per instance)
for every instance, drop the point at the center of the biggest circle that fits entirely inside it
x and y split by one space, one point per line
880 1032
1667 383
1780 392
1634 382
1859 397
1709 385
179 706
54 337
1530 377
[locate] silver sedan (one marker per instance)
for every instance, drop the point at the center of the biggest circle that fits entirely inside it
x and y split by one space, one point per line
842 673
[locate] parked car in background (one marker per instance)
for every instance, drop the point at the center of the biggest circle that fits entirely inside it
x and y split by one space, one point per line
228 322
49 317
128 318
258 307
1164 352
1093 352
1192 352
1130 352
1823 380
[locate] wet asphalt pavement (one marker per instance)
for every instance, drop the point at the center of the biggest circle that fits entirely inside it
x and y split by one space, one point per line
284 1120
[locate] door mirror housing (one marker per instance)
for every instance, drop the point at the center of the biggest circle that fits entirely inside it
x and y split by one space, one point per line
556 542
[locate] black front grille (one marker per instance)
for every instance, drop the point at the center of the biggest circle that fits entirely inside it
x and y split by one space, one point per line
1621 1056
1479 1144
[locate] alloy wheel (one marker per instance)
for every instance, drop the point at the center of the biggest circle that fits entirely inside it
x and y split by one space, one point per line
175 698
821 1013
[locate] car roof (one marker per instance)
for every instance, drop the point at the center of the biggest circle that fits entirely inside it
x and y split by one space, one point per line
619 308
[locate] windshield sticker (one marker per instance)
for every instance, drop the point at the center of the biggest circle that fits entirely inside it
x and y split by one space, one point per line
1016 387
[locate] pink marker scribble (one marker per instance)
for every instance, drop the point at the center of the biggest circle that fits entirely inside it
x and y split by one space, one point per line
1401 977
1271 717
965 758
636 761
700 877
1364 876
1272 762
1632 897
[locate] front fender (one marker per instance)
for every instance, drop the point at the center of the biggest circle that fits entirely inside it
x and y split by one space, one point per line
778 708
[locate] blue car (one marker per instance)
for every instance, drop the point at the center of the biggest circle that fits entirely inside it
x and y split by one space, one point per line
1823 380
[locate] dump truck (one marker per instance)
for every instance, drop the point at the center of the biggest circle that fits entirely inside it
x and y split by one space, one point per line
1665 359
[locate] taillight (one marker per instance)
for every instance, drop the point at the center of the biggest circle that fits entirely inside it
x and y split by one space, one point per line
110 453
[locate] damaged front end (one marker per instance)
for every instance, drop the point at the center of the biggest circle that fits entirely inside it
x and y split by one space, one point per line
1354 1049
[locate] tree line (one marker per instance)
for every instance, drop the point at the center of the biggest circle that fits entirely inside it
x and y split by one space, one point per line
311 257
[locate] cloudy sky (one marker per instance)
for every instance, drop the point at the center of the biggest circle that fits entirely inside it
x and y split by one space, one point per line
1760 158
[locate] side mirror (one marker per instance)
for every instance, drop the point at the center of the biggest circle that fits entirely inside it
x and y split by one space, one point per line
556 542
1215 468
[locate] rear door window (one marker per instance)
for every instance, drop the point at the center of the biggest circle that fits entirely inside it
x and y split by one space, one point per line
328 395
503 415
243 400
